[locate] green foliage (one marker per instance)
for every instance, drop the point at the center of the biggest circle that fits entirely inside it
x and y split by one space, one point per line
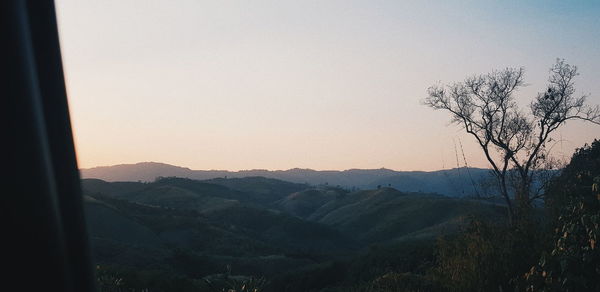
384 215
576 180
304 203
485 256
227 283
123 279
184 235
414 256
400 265
262 189
574 262
310 278
247 285
399 282
559 253
192 265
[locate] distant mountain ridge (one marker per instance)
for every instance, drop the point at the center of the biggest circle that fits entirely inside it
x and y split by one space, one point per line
455 182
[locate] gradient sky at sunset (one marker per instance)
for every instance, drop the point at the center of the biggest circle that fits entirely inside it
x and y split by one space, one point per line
311 84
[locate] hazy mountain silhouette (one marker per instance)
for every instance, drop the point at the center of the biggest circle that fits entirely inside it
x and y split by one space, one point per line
452 182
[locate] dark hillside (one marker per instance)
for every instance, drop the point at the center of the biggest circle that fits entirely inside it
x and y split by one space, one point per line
387 214
310 238
304 203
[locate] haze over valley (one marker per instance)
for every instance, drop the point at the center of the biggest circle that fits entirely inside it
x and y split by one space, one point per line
457 182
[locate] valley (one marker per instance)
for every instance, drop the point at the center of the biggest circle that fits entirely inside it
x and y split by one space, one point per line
265 228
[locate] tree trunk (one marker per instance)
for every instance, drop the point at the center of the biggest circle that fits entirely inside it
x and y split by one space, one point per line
522 204
506 196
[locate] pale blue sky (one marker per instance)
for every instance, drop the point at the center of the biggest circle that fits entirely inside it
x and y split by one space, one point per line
315 84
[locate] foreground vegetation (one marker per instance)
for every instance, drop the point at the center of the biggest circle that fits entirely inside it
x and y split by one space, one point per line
245 246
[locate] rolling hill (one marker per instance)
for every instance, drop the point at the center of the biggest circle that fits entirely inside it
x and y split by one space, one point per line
382 215
160 204
250 241
304 203
276 212
258 226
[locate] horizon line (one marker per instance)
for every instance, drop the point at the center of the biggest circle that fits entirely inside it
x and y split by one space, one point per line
274 170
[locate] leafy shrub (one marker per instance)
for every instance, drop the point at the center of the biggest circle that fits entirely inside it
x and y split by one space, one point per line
124 279
574 262
486 256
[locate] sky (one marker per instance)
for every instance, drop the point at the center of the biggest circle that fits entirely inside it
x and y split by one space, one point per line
311 84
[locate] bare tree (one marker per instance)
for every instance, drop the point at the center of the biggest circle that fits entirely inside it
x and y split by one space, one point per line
513 139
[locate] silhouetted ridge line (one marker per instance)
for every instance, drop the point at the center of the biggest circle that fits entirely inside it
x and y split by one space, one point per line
448 182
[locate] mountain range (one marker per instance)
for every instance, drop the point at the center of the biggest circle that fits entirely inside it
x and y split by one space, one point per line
456 182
